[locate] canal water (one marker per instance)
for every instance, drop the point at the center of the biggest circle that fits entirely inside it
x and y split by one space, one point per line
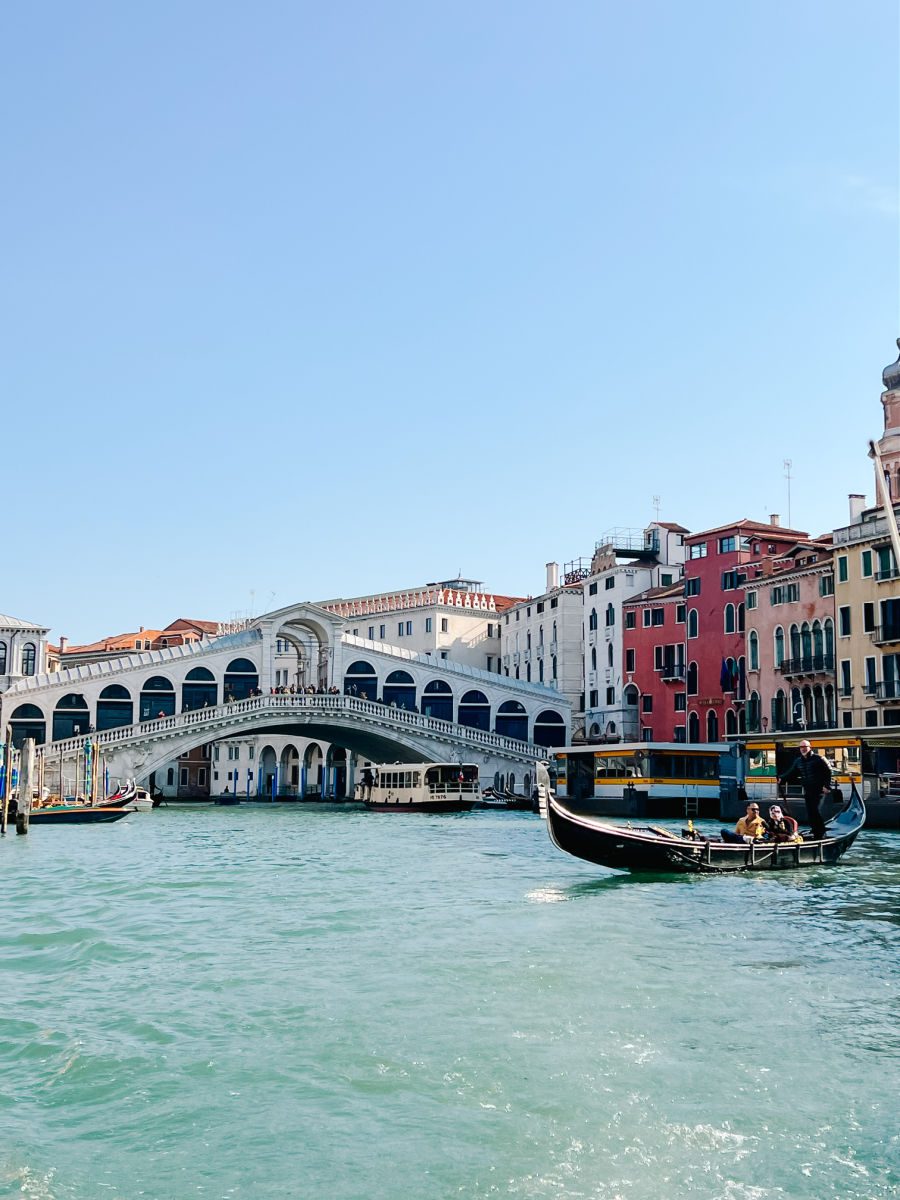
265 1003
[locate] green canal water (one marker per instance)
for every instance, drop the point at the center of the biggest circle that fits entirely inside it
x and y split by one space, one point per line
246 1002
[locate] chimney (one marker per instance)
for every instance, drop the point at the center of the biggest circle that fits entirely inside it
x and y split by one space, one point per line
552 576
857 504
774 519
141 630
63 642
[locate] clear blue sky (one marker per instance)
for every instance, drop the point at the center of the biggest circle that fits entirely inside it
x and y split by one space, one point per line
309 300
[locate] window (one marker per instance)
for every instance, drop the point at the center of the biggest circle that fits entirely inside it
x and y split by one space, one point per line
785 593
645 616
845 677
250 753
868 618
698 550
680 614
680 702
445 625
729 618
399 629
866 564
826 585
727 545
629 661
28 658
215 753
540 609
753 646
659 616
610 615
183 777
752 599
554 602
665 580
592 588
647 703
170 776
382 630
428 626
630 619
732 580
844 620
692 587
371 633
201 777
610 695
594 699
409 628
693 624
490 628
518 614
843 573
610 582
869 687
692 679
592 619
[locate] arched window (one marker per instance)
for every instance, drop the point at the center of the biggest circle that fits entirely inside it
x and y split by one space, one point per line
2 658
779 647
712 726
692 679
400 690
609 655
554 633
553 666
805 640
731 725
779 710
693 623
361 680
475 711
540 670
512 721
114 707
70 717
610 615
437 700
693 727
753 713
593 658
753 647
549 729
829 637
592 619
630 696
157 698
741 616
27 721
241 679
199 690
818 641
795 641
729 618
28 658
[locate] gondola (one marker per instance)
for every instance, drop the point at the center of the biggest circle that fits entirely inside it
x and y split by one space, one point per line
74 814
657 850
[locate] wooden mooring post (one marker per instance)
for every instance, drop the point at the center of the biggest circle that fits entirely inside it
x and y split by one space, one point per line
26 785
7 779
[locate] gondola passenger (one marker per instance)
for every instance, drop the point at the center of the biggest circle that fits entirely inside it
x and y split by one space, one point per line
781 828
749 827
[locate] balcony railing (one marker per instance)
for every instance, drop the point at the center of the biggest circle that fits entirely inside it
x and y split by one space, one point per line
671 672
887 573
807 664
785 726
887 690
882 634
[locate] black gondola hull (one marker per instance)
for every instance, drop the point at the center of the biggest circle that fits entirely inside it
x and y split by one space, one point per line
615 846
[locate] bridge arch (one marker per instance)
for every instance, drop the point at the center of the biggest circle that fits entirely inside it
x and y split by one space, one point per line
475 710
27 721
199 690
241 679
437 700
400 690
114 707
289 771
512 720
361 679
313 769
336 771
267 772
157 698
71 717
549 729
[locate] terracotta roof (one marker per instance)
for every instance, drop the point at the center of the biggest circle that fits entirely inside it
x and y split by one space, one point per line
667 591
748 526
672 526
187 623
118 641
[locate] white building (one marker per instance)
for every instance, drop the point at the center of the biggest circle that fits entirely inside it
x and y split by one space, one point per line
542 640
23 650
624 564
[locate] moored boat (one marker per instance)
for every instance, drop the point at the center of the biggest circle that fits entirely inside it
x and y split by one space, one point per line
75 814
420 787
650 848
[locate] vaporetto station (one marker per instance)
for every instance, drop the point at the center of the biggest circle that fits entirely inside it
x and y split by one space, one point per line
351 700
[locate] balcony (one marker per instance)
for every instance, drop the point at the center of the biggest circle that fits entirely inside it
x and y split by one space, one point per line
887 691
883 634
845 693
807 664
889 573
671 672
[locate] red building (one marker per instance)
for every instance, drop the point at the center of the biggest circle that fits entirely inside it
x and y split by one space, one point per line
719 564
653 645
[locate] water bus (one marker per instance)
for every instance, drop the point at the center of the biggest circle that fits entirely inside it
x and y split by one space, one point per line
420 787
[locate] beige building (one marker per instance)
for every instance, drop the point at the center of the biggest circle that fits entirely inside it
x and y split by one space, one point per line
867 591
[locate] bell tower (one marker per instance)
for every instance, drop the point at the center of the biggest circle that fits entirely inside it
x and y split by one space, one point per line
889 442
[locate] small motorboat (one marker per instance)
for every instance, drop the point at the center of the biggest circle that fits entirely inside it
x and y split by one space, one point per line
72 814
652 848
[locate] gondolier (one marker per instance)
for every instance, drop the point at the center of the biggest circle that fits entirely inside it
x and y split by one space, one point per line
815 778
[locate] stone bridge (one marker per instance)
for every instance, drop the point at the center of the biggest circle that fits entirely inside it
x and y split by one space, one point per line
377 700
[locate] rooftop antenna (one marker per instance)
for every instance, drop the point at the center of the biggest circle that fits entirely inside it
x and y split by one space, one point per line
656 507
787 474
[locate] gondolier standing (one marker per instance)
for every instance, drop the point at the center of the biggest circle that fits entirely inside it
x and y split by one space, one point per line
815 777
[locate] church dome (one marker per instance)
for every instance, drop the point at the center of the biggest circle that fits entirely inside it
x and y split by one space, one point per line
891 375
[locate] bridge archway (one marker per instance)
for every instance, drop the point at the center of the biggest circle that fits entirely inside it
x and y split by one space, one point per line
311 639
336 772
361 679
400 689
475 711
268 770
114 707
549 729
199 690
512 720
71 717
241 679
437 700
289 771
28 721
313 769
157 698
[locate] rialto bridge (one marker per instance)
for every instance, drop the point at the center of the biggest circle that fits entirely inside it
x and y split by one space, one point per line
376 701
